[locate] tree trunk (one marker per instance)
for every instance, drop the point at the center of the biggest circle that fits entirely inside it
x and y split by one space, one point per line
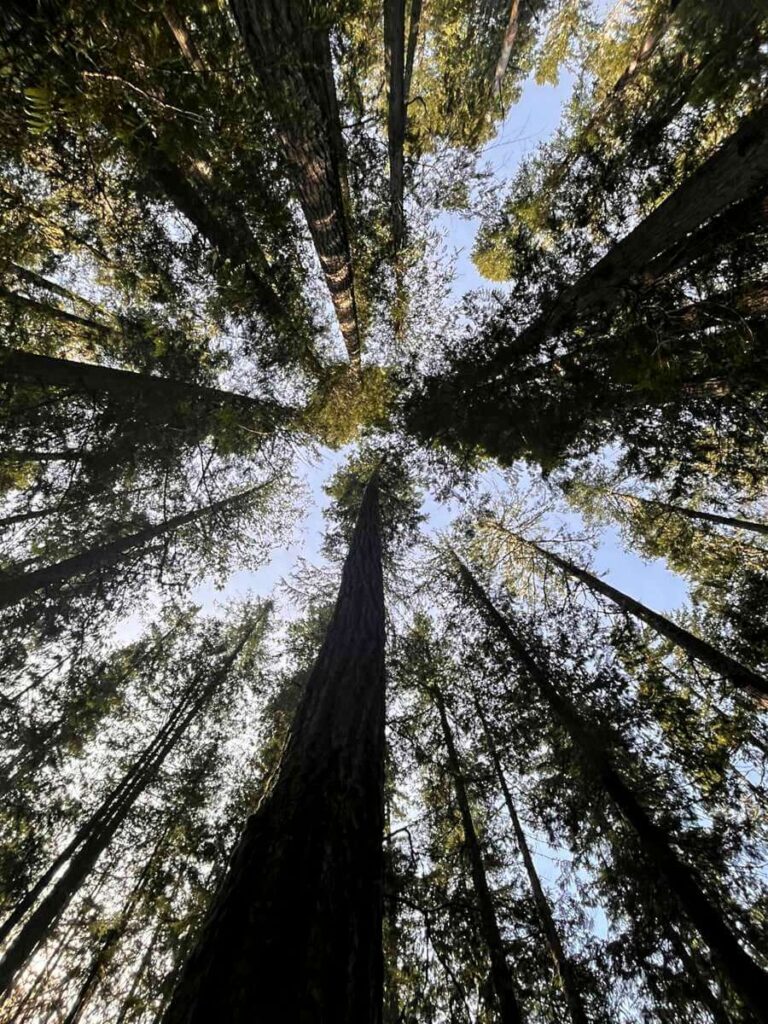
696 514
104 556
696 648
750 216
562 963
413 38
305 883
94 379
394 44
33 278
509 1011
127 1003
507 44
104 823
735 171
111 938
291 54
743 974
19 301
186 44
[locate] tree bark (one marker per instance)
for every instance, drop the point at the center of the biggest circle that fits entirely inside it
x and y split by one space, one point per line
50 371
413 38
394 44
91 840
509 1011
291 54
507 45
696 514
305 882
734 172
33 278
104 556
698 649
743 974
186 44
562 963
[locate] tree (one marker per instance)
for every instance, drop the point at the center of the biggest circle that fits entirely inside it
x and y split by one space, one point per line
322 819
747 978
291 54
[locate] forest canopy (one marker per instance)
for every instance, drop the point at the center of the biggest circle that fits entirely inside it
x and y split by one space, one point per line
383 512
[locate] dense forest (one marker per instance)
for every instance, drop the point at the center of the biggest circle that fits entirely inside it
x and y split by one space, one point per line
384 626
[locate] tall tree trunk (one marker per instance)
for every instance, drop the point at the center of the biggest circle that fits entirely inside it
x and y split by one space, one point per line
509 1011
394 45
177 25
734 172
413 39
507 44
105 822
127 1003
562 963
104 556
290 50
748 980
698 649
304 886
160 392
696 514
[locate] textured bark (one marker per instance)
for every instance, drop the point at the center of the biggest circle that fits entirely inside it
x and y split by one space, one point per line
186 44
697 514
92 839
507 45
745 678
562 963
295 931
509 1011
104 556
734 172
94 379
291 54
743 974
394 46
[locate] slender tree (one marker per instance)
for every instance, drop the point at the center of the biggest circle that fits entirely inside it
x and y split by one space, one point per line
746 978
700 650
563 965
509 1010
305 882
94 836
394 43
102 557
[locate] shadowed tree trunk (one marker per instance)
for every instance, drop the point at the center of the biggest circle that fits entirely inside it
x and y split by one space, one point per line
698 649
562 963
394 45
290 50
19 301
305 884
743 974
695 514
509 1011
94 837
104 556
733 173
94 379
413 39
33 278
